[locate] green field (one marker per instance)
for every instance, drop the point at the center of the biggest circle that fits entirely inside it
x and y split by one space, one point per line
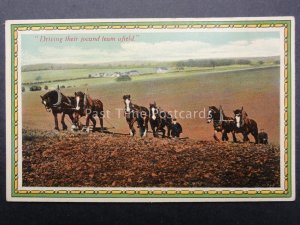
78 77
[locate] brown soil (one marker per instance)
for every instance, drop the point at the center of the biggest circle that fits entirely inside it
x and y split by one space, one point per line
64 158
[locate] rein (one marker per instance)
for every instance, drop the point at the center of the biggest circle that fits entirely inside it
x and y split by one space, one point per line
220 121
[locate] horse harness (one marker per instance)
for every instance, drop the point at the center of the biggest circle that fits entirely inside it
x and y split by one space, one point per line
59 104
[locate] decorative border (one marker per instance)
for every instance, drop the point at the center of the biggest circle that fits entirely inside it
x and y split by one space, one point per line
288 60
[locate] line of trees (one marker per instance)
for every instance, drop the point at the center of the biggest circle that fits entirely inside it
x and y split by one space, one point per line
211 62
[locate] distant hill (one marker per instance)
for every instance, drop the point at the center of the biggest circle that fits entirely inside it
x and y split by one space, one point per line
200 62
66 66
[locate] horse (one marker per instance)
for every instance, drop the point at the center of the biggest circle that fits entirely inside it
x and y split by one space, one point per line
58 103
221 123
135 113
159 120
89 107
245 125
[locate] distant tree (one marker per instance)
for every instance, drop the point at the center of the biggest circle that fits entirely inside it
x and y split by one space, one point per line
39 77
90 75
46 87
23 89
180 64
62 86
123 78
212 63
35 88
243 62
277 62
260 62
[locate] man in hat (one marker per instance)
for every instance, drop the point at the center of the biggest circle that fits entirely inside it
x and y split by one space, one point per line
176 129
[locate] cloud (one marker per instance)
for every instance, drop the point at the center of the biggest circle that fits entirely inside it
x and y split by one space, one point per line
159 51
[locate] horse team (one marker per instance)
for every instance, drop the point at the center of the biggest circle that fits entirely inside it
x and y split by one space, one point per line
81 104
241 123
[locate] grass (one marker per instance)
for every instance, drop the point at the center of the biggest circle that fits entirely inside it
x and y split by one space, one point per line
48 75
78 77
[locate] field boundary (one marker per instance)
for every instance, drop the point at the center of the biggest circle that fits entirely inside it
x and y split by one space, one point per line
194 72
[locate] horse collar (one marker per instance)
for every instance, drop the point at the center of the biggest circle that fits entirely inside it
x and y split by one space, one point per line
59 97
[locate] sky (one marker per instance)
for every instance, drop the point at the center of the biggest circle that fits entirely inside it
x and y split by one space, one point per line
150 46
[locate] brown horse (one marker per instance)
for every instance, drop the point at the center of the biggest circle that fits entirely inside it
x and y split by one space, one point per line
245 125
135 113
159 120
221 122
89 107
58 103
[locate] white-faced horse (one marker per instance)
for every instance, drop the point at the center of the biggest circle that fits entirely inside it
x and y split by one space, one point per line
135 113
245 125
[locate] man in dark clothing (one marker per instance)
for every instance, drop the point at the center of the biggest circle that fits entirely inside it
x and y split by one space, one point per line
176 129
262 137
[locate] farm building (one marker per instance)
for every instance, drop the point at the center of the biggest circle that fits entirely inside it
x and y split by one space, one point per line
162 70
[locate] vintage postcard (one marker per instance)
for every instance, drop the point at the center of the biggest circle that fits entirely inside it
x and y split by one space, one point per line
150 110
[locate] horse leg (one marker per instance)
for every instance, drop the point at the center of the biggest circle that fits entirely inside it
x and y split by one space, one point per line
101 120
145 126
224 135
63 121
87 123
245 137
71 117
255 135
93 121
234 137
55 120
75 120
131 128
74 123
169 131
153 130
163 132
215 136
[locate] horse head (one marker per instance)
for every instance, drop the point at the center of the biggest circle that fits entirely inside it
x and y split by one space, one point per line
46 101
80 100
127 102
154 111
238 117
51 99
212 113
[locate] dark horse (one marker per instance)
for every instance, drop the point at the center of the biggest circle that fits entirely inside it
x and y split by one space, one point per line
86 106
135 113
159 120
245 125
222 123
57 102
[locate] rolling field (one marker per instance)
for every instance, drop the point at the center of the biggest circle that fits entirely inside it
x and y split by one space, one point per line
114 159
78 77
257 90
